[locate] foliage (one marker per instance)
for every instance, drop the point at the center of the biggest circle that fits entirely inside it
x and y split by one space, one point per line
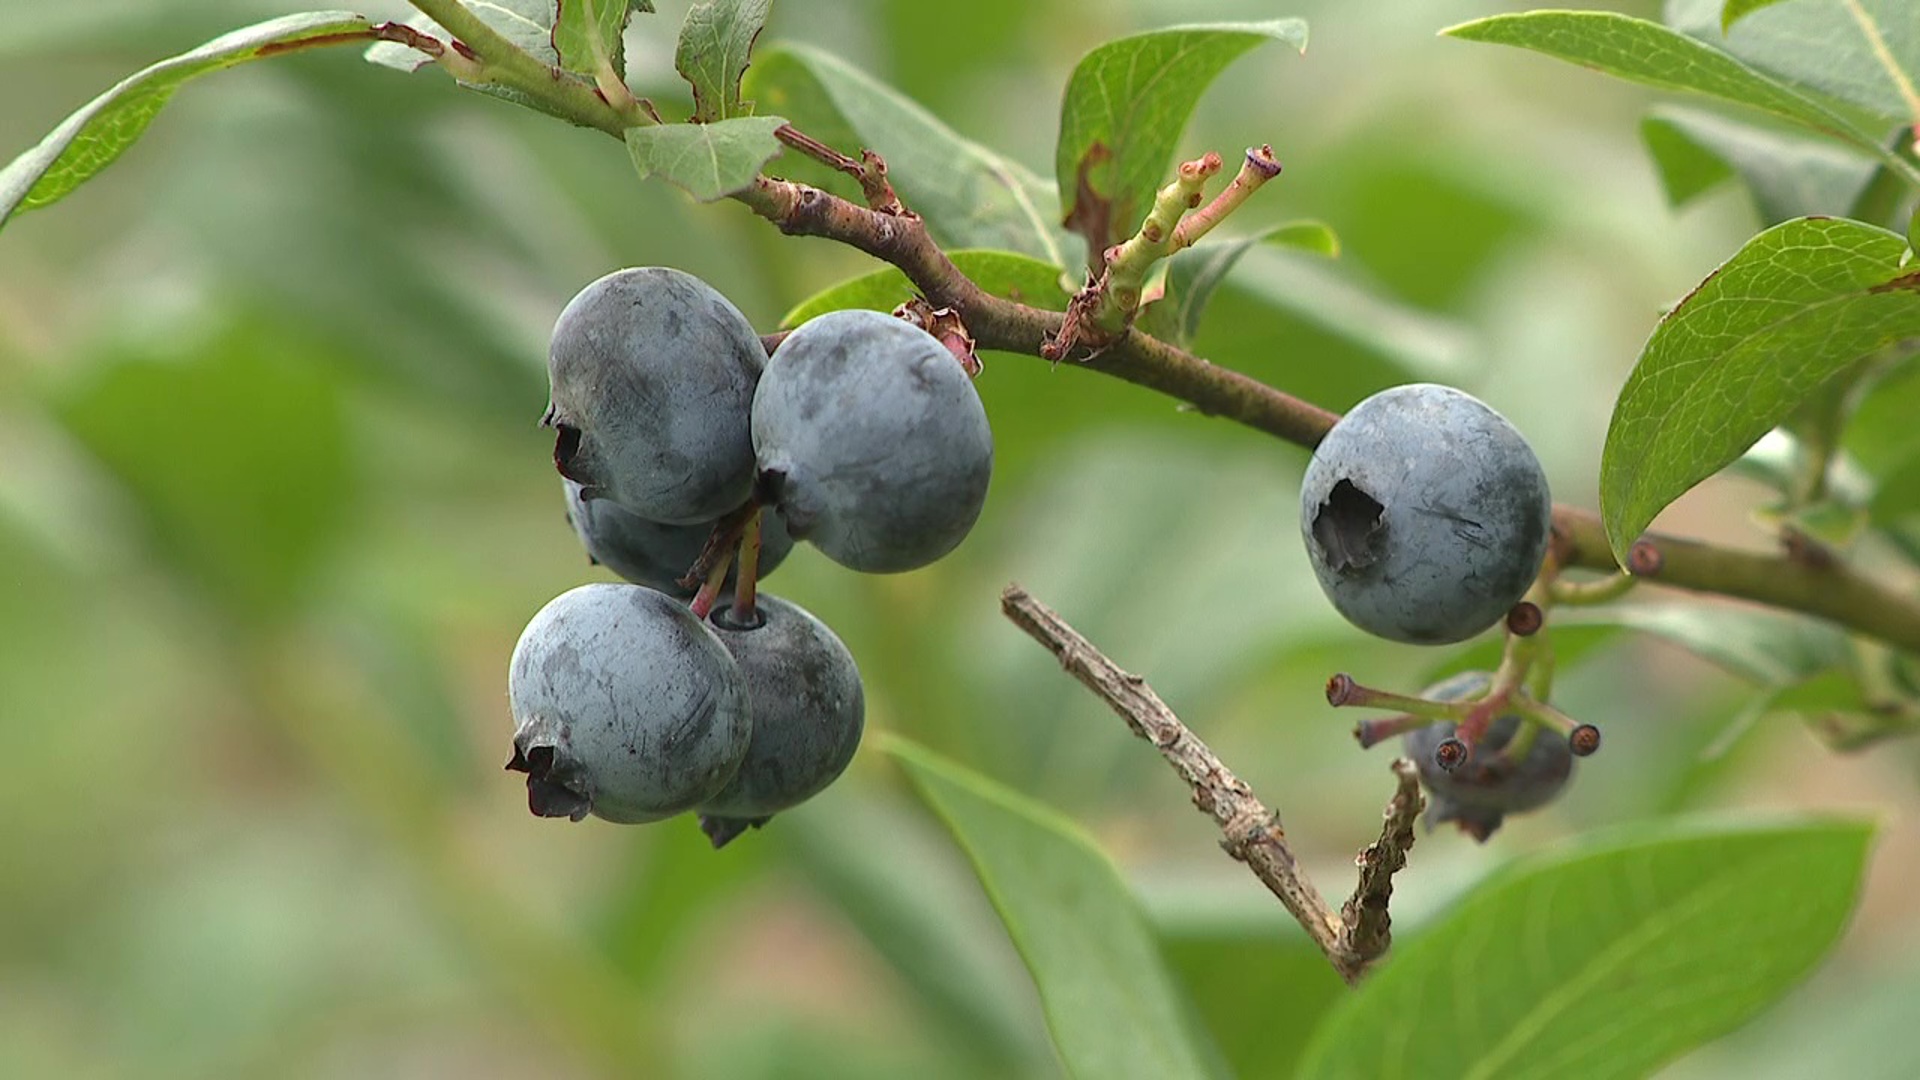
276 508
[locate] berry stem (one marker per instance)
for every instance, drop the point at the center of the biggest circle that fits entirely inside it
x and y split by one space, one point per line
1373 731
747 580
1521 744
1259 167
1539 681
1600 591
703 601
1342 691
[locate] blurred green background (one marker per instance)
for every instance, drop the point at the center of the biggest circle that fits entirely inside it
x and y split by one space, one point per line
274 508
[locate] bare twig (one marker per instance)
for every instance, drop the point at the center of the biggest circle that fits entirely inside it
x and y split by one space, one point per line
1250 830
1368 928
870 172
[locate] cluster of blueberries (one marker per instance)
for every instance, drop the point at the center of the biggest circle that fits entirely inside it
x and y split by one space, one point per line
693 461
1426 517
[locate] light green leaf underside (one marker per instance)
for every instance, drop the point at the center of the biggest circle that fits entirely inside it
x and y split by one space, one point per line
1735 10
585 30
711 161
1110 1001
1863 54
1603 960
1788 175
1649 53
527 23
1766 648
1798 304
90 139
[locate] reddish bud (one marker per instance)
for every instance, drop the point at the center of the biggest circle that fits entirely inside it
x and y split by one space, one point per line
1341 689
1525 619
1644 559
1584 740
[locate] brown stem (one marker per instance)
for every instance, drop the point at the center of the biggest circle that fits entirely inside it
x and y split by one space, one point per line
1831 592
1001 324
870 171
1251 831
1368 927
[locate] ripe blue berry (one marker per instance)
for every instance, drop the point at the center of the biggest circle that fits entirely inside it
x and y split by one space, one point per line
808 713
1479 793
627 707
1425 515
655 555
872 441
652 375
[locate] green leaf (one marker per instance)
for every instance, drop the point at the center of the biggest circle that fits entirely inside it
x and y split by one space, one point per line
1001 273
1687 167
1111 1005
1193 275
893 874
1123 112
710 160
586 31
1799 303
1788 176
527 23
1735 10
716 44
970 196
1259 992
1649 53
530 25
90 139
1763 647
1605 959
1864 54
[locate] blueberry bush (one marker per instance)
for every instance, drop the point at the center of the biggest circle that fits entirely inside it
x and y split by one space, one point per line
1497 397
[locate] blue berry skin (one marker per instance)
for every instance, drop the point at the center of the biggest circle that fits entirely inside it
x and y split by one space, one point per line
872 441
1484 789
1425 515
808 708
652 375
655 555
627 707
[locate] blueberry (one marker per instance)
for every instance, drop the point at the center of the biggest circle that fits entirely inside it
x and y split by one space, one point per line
652 375
872 442
1483 790
808 713
628 707
655 555
1425 515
